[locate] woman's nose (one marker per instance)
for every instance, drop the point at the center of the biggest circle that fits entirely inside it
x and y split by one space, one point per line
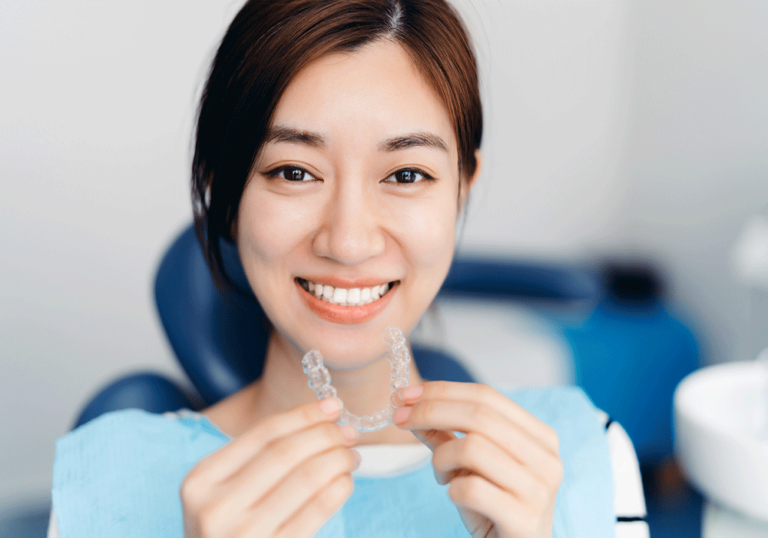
351 231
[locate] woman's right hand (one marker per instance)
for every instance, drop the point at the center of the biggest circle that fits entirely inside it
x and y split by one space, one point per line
286 476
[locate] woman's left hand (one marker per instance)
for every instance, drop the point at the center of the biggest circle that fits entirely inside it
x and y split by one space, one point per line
504 473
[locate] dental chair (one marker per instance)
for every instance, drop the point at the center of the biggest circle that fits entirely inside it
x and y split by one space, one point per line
220 339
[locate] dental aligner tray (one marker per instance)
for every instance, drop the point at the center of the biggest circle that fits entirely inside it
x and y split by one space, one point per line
398 357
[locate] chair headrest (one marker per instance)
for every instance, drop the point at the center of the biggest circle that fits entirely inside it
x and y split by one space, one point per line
204 325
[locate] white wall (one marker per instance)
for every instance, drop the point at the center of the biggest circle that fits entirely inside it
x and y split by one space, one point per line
612 128
97 102
695 162
554 83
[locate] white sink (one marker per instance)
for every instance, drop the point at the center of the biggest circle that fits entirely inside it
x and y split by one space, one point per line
721 434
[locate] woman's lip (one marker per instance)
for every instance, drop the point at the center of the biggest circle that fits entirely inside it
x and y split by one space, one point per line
347 283
346 314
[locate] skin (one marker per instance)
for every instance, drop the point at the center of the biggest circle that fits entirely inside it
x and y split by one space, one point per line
336 205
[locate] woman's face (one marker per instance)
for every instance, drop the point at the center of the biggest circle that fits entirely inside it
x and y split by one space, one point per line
357 191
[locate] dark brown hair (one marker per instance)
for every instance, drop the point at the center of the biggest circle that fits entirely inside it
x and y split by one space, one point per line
268 43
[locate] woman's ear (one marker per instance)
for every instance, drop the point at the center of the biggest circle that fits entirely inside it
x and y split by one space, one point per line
470 181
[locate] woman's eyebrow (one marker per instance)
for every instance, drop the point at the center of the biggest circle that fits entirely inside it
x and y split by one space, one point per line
413 140
280 133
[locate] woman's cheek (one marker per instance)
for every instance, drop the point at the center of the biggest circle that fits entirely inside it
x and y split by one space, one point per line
426 233
271 226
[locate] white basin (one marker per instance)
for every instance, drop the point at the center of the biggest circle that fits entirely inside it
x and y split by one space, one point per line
721 434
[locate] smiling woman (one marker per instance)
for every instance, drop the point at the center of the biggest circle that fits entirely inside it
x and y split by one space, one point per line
336 145
355 193
261 54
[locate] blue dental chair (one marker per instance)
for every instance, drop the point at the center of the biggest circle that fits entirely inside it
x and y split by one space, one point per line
220 341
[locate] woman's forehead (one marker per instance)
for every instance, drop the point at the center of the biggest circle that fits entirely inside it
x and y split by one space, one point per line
374 94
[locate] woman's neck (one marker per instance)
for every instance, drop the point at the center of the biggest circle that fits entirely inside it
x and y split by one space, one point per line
283 386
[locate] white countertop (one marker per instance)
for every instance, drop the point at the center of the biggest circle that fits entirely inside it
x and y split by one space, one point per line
719 522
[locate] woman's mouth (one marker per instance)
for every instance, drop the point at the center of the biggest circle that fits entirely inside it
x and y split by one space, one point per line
346 305
345 296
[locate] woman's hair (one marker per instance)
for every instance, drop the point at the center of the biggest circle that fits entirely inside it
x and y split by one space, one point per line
268 43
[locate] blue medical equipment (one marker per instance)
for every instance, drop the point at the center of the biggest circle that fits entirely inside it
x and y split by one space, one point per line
630 354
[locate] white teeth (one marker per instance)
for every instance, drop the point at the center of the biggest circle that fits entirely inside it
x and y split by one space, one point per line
340 296
353 296
345 297
328 292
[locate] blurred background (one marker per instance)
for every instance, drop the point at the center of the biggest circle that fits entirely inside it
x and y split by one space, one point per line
629 138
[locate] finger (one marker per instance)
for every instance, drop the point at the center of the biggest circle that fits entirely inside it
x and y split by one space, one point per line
220 465
315 513
483 394
276 462
303 484
476 454
434 438
511 516
469 417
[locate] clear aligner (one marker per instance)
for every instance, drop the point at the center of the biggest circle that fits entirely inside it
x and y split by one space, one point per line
398 357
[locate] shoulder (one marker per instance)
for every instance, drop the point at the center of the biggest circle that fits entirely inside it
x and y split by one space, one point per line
116 421
569 411
593 438
598 456
108 433
132 437
98 453
127 426
549 396
120 457
562 407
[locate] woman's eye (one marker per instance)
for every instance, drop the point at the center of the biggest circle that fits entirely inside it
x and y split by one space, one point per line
291 173
408 175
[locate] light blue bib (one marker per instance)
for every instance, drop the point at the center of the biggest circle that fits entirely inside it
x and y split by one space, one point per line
119 476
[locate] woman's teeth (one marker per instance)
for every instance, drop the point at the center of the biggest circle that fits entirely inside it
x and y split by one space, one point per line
345 297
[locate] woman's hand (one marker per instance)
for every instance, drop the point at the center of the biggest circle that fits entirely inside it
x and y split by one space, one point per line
504 473
284 477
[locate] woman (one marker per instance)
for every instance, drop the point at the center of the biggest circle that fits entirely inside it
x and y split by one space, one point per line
336 145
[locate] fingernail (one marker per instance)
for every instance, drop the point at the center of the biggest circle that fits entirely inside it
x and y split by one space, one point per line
358 459
411 393
401 415
330 406
349 432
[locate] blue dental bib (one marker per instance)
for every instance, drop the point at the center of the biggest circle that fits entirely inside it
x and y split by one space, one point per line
119 476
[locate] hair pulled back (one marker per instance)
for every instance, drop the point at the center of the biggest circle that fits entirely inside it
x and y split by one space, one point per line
265 47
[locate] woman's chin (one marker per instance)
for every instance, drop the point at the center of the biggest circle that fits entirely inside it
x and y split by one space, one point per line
349 358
